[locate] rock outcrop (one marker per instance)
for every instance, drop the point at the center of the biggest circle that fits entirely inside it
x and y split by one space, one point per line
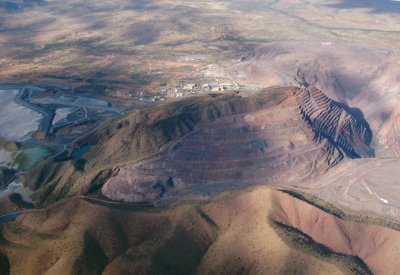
345 130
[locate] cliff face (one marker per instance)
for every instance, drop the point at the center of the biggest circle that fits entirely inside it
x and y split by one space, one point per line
344 130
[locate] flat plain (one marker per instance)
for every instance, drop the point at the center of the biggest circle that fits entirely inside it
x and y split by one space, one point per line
104 46
199 137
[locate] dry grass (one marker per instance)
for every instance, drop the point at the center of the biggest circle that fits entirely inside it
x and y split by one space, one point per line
214 237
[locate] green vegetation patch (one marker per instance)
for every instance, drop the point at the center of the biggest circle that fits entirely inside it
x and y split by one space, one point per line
140 79
18 201
328 209
5 175
60 77
4 265
92 260
181 254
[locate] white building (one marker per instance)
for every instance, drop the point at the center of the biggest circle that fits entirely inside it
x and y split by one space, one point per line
189 87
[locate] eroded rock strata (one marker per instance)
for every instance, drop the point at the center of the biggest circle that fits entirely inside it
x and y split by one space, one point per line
347 132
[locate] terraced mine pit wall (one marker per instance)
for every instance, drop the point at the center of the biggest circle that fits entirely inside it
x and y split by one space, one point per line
359 79
348 132
285 143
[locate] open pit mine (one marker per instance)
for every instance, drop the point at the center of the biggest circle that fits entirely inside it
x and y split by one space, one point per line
294 140
300 176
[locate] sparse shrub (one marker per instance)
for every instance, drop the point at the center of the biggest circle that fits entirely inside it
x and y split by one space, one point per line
79 164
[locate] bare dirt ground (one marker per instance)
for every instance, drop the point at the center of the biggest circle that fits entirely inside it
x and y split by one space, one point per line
255 231
363 187
105 46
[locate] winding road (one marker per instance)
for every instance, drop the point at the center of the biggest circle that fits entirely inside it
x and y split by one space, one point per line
26 91
13 215
24 98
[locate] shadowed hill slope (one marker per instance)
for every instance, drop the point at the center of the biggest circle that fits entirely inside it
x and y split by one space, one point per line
255 232
5 176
